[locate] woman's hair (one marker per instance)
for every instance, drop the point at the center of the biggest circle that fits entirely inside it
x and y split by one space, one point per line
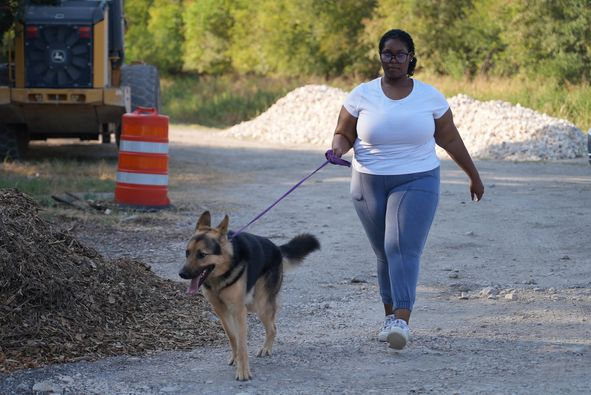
397 34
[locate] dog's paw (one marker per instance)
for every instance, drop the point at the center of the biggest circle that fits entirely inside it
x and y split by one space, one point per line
243 374
264 352
232 360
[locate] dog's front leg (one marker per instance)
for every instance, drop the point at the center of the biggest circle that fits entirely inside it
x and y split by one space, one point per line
231 333
231 329
242 368
233 298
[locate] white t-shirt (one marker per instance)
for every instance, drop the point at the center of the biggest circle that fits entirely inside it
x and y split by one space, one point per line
395 136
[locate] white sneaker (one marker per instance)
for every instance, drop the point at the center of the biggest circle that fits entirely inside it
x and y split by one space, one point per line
383 335
398 334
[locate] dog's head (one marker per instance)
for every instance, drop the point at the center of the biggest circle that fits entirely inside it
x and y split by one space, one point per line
206 252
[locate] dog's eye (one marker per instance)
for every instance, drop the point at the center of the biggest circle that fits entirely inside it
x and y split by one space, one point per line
201 254
187 253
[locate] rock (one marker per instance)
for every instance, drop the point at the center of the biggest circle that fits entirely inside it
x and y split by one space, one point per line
46 386
66 379
488 292
511 296
463 296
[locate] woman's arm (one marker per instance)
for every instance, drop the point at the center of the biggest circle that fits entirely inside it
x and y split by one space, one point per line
345 133
448 138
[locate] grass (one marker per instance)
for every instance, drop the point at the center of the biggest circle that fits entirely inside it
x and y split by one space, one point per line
41 179
221 102
224 101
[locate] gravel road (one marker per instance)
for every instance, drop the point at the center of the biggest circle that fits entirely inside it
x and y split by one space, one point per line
504 298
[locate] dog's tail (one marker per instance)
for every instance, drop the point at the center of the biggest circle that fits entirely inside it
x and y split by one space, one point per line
298 248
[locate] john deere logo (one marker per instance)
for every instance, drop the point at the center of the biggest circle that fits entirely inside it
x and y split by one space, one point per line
58 56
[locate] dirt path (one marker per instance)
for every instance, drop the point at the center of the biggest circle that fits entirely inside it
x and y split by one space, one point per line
520 259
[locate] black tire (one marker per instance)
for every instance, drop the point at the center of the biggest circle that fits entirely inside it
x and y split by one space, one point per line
144 82
13 145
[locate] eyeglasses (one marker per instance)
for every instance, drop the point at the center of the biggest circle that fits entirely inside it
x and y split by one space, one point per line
399 56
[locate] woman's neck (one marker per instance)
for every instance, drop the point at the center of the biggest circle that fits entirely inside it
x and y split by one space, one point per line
397 88
396 82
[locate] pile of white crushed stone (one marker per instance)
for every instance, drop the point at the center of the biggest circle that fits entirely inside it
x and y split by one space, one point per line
490 130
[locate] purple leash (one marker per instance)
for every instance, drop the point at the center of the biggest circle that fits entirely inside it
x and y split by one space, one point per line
330 158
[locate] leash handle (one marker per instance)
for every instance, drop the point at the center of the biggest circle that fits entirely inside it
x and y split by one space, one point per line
330 158
335 160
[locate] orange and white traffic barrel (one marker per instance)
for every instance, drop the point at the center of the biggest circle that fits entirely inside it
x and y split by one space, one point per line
142 171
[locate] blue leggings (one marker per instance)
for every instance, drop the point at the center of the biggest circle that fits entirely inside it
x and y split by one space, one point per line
396 212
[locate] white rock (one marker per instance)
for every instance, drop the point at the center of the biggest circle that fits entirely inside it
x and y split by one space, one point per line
488 292
66 379
46 386
511 296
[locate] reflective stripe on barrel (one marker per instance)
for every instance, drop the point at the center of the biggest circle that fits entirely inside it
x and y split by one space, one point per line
142 179
143 146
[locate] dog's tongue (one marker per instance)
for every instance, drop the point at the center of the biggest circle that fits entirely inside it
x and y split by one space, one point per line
193 286
197 281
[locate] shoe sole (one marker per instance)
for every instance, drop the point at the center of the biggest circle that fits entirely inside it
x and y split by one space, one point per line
397 340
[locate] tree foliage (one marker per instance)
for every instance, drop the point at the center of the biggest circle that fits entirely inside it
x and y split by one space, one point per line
207 25
550 38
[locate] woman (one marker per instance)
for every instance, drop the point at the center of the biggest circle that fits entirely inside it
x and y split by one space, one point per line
393 123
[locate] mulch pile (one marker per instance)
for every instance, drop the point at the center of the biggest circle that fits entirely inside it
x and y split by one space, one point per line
61 301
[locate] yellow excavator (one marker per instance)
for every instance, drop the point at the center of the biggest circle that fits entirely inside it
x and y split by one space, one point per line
64 74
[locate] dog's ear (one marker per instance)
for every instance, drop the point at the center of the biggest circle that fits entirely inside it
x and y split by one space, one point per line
204 221
223 226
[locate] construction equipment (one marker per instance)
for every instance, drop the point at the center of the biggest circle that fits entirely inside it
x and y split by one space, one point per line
65 75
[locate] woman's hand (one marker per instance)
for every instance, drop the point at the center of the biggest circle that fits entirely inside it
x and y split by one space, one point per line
476 189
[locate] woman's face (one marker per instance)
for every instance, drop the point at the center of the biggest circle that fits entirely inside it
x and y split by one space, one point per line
395 59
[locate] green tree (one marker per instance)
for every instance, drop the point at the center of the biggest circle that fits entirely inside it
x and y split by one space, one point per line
207 36
337 28
166 30
137 38
552 38
155 33
293 38
271 37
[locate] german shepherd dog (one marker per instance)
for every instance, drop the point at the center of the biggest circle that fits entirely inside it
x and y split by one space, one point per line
241 274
